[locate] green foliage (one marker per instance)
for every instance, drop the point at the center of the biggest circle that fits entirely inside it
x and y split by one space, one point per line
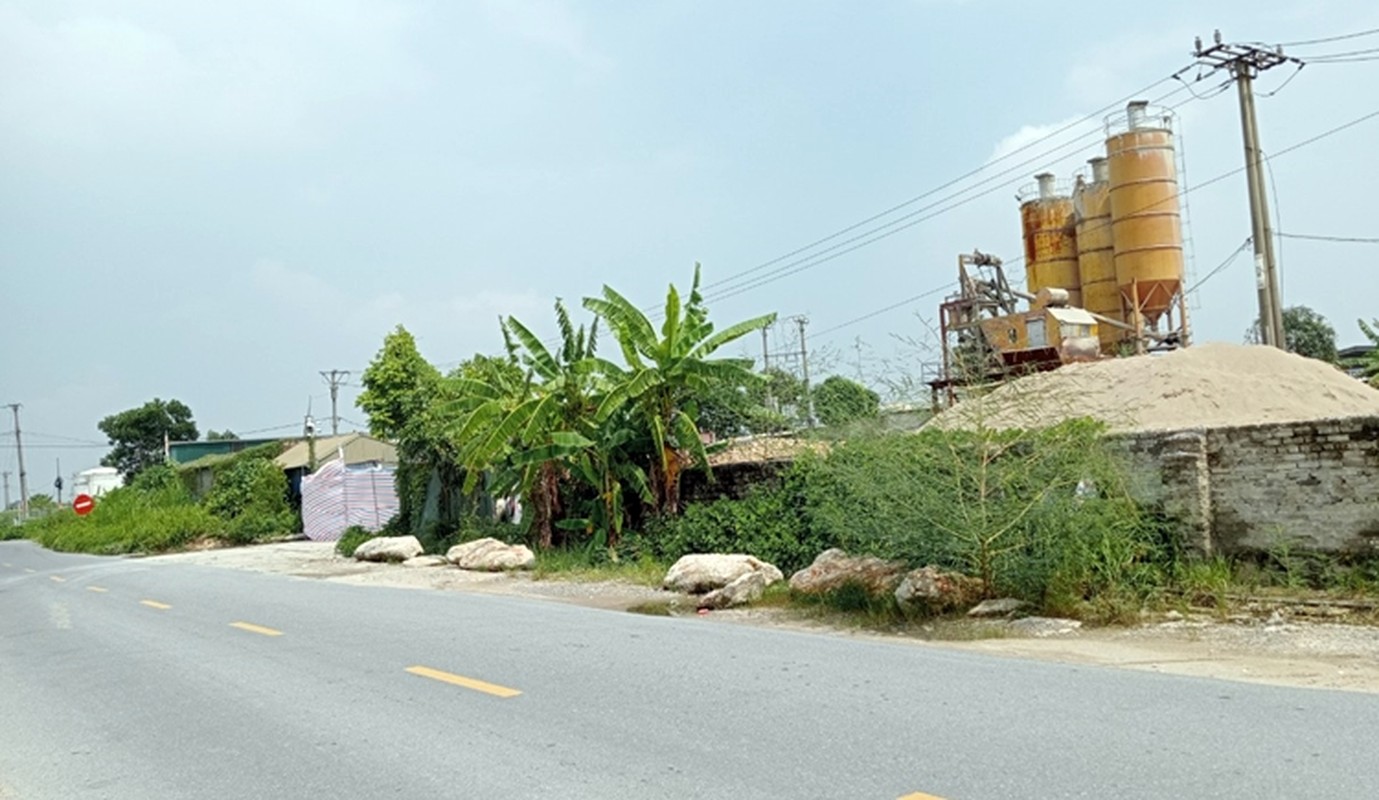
768 523
250 494
665 373
1305 332
137 434
153 514
398 384
1370 365
220 436
352 537
731 408
839 401
41 503
1041 515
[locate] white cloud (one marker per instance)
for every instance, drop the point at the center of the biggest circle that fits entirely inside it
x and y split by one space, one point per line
1029 134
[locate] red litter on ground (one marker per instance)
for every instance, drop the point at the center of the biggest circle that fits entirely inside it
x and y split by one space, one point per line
82 504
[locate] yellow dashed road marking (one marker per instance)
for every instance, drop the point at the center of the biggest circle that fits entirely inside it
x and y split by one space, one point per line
252 628
156 604
56 579
920 796
468 683
96 589
26 569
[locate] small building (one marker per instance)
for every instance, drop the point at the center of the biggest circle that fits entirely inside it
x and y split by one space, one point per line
96 481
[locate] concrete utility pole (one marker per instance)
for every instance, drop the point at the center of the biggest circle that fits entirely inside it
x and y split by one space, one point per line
1244 62
802 321
7 491
23 476
766 365
335 377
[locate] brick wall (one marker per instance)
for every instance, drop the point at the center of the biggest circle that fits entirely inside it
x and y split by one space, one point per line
1313 485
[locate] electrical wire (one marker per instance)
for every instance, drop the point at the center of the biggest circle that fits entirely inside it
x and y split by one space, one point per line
878 312
1324 40
1286 81
1337 239
935 190
1351 53
1249 240
880 232
268 430
1216 179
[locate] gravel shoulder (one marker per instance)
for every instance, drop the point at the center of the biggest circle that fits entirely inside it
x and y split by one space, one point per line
1321 655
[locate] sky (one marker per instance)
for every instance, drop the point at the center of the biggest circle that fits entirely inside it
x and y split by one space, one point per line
216 201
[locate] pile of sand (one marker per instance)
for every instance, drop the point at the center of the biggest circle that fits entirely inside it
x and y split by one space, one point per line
1207 386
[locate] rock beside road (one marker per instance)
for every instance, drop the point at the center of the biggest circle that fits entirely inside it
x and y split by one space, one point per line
704 572
426 561
740 592
1041 627
491 555
999 607
834 568
931 589
388 548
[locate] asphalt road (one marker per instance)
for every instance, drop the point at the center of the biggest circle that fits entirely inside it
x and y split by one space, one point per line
122 678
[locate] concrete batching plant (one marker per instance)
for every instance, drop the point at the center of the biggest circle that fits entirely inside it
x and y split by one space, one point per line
1103 267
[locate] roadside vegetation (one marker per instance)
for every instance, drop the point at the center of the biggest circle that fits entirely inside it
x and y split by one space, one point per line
160 511
596 448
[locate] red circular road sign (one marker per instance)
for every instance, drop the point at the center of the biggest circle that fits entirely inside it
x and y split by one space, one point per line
82 504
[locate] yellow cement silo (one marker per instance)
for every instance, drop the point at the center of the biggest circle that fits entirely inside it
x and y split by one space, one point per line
1046 220
1095 252
1146 231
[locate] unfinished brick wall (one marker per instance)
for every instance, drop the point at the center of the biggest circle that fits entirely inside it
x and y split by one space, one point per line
1313 485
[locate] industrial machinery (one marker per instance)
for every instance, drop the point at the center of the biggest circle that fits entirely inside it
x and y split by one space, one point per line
1103 268
987 339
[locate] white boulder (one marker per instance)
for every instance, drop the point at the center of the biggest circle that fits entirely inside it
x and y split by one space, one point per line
745 589
702 572
491 555
388 548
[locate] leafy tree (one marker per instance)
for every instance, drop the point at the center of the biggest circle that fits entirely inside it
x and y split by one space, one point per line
1305 332
398 384
665 373
220 436
839 401
535 422
1371 362
137 434
42 502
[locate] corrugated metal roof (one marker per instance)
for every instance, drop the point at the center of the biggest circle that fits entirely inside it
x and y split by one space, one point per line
357 447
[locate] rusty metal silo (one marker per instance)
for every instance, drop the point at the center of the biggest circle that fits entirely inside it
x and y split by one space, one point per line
1095 251
1046 220
1146 230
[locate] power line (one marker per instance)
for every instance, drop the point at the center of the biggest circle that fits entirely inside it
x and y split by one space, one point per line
1245 245
935 190
1341 239
1215 179
878 312
909 221
1349 54
1324 40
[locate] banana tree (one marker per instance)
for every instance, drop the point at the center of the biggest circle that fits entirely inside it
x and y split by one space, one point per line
665 373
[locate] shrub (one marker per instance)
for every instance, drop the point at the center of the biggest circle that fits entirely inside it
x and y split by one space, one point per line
350 540
250 494
768 523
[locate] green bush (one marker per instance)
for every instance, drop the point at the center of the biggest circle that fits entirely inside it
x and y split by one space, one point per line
1043 515
350 540
153 514
250 494
768 523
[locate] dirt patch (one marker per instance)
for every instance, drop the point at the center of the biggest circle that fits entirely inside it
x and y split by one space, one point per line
1322 655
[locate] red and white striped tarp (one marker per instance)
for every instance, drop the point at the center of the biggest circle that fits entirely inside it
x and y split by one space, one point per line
337 496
